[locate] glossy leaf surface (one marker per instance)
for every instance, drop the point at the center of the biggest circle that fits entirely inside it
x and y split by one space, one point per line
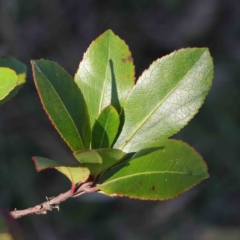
162 171
8 80
63 102
105 128
166 97
75 173
106 74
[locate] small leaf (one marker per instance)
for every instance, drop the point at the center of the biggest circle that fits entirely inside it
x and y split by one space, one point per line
165 98
163 170
17 66
20 70
76 173
90 159
109 157
105 128
63 102
8 80
106 74
88 156
99 160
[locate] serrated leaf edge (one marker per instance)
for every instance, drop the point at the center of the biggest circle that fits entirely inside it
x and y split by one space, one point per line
197 110
134 68
15 83
161 199
153 199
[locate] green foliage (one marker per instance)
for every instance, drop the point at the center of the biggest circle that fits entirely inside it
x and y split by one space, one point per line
106 74
75 173
162 170
12 76
99 160
118 130
9 80
63 102
165 98
105 128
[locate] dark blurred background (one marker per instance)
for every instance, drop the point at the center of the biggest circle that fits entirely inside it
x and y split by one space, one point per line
61 31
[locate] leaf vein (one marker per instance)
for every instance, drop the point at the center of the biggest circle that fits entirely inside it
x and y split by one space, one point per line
158 106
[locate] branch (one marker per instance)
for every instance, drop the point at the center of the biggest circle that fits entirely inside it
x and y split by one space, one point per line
54 202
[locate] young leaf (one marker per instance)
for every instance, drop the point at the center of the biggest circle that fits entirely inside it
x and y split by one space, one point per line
88 156
90 159
63 102
106 74
8 80
165 98
163 170
76 173
109 158
20 70
105 128
99 160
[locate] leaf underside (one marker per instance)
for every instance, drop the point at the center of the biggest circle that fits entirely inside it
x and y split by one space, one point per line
165 98
162 171
75 173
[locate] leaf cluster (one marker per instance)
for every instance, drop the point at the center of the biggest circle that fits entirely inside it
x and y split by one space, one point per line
118 128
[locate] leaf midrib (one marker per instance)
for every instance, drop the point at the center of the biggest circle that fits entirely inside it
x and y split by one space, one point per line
9 84
65 110
105 79
145 173
158 105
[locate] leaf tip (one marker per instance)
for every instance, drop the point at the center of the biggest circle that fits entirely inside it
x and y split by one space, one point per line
35 164
109 31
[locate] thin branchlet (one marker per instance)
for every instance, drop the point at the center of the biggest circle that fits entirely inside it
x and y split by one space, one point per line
54 202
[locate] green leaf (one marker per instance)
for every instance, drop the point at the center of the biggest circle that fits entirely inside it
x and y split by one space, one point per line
16 65
165 98
20 70
163 170
105 128
99 160
63 102
88 156
8 80
76 173
109 157
90 159
106 74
